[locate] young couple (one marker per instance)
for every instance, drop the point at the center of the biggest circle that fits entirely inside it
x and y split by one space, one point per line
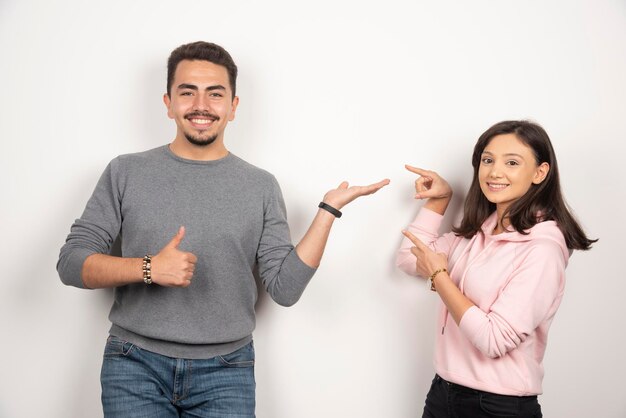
196 220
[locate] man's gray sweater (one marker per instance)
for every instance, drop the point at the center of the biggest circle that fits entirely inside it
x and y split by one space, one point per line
234 216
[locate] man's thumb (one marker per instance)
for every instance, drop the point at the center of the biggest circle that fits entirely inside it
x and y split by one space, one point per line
175 242
344 185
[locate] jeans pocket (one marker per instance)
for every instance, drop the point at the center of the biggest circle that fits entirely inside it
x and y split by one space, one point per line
244 357
500 405
117 347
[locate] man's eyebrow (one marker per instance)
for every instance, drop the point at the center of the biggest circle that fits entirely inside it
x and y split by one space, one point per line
187 86
184 86
216 87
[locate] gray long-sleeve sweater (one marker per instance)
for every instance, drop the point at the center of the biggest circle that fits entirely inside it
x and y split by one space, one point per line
234 216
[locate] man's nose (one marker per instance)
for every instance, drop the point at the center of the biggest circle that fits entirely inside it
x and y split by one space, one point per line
201 102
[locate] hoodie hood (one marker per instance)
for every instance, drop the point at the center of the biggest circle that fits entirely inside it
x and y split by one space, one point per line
542 230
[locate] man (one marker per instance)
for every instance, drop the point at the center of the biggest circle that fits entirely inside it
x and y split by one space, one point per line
194 221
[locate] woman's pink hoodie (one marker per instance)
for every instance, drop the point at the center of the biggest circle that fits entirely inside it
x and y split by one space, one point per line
516 283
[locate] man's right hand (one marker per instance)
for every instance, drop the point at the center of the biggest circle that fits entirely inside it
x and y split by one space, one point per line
172 267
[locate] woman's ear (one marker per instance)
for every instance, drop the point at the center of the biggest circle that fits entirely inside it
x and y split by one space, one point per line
541 173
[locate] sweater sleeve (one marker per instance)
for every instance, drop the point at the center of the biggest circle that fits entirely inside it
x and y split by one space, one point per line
283 274
426 228
95 231
531 297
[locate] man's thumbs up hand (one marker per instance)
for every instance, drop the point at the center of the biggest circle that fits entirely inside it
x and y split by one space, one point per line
172 267
178 238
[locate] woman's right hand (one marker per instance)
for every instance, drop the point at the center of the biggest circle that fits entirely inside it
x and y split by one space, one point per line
430 185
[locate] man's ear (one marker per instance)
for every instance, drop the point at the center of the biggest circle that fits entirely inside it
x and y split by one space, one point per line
233 109
168 101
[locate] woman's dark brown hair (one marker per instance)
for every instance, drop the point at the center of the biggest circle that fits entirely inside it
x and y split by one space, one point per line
544 198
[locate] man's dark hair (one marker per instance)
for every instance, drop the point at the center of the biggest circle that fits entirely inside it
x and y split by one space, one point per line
201 51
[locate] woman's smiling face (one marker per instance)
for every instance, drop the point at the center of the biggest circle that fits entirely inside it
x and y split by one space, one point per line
508 168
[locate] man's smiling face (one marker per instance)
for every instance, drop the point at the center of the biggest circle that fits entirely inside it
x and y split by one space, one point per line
200 102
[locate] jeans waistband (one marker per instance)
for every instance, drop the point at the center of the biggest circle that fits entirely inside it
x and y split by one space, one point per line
465 389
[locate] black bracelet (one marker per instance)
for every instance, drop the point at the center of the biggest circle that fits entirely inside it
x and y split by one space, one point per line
330 209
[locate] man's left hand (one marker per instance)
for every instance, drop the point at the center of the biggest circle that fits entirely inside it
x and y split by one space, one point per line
345 194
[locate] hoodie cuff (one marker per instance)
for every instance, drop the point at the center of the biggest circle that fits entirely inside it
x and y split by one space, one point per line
427 220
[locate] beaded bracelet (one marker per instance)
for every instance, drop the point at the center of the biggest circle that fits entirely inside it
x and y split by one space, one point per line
431 278
147 269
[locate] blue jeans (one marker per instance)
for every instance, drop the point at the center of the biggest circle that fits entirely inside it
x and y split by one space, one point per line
449 400
137 383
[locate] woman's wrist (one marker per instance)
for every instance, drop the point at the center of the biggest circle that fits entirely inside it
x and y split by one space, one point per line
438 204
431 278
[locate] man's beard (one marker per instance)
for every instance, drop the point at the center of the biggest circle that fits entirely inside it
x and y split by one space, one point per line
200 142
196 140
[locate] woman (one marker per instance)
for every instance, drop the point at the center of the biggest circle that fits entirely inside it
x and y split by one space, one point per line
499 275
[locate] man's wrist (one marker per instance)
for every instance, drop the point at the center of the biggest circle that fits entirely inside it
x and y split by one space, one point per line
330 209
146 268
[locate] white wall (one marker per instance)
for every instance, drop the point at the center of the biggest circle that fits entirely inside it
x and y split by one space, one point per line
329 91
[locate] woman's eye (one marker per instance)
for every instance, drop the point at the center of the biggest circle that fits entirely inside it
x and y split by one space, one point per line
512 162
487 160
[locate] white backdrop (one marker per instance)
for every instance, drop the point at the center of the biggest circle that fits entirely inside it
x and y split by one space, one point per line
329 91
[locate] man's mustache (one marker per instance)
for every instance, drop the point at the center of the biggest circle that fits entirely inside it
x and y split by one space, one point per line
206 115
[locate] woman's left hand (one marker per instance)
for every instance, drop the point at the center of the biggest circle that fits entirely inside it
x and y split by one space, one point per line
428 261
